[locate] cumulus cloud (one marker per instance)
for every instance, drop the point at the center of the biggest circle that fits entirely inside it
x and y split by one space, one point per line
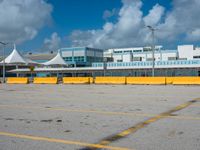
182 22
21 19
118 34
52 43
154 15
179 23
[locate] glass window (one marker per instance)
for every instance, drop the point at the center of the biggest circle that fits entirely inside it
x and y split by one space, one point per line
67 59
128 51
196 56
79 58
117 52
137 50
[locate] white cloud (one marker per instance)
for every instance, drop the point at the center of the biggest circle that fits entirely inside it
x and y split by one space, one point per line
53 43
111 34
21 19
181 22
154 16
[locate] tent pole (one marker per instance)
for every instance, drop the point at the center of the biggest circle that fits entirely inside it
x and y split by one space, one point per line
17 73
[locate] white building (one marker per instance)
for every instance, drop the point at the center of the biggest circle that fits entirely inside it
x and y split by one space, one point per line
183 52
137 61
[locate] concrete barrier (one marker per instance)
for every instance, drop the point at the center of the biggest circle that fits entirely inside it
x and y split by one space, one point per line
169 80
76 80
17 80
45 80
145 80
110 80
184 80
91 80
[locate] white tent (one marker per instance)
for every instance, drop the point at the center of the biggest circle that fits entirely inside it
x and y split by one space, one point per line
57 60
16 58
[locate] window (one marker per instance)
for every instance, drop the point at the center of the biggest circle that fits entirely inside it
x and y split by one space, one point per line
149 59
137 50
128 51
79 58
68 59
182 58
196 56
117 52
137 58
147 49
94 59
172 58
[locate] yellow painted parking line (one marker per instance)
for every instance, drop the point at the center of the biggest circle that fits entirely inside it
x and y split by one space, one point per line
128 114
133 129
38 138
158 105
149 104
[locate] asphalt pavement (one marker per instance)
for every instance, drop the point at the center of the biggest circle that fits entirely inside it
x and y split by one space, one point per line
115 117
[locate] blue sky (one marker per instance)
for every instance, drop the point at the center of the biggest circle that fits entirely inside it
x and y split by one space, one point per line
69 15
52 24
87 14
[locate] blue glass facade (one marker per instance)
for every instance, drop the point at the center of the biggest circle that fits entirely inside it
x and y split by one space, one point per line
82 55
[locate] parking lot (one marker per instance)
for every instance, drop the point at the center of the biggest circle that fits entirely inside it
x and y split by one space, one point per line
115 117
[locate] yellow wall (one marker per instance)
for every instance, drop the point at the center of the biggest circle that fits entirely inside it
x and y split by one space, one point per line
17 80
45 80
183 80
110 80
169 80
76 80
145 80
91 80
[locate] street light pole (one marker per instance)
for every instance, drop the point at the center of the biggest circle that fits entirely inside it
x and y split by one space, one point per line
104 66
4 67
153 49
